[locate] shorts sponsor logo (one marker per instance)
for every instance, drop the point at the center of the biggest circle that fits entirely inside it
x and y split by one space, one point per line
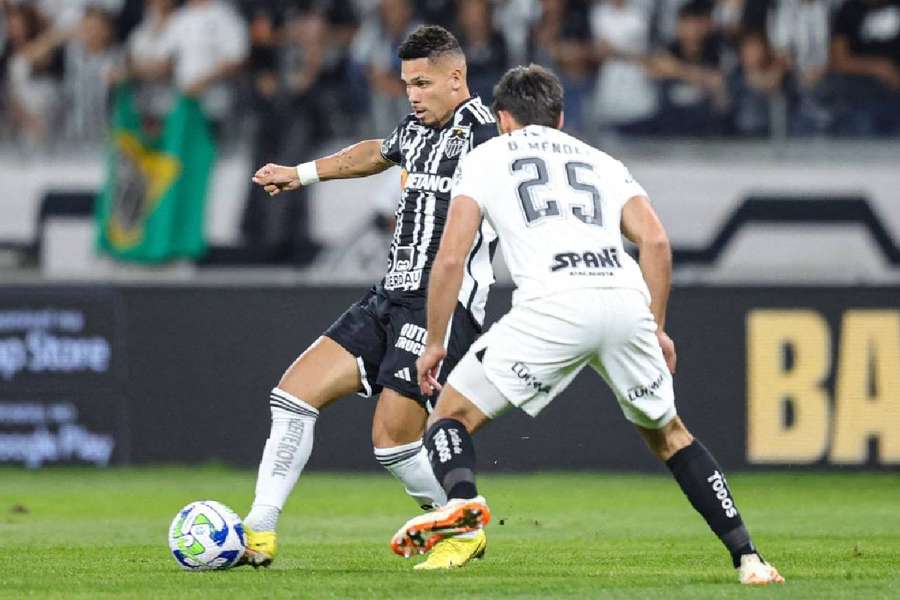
524 373
411 339
587 263
640 391
720 487
404 374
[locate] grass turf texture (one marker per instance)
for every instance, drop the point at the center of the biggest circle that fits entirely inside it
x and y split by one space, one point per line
83 533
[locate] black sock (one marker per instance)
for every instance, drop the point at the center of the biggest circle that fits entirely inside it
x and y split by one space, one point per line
702 481
452 456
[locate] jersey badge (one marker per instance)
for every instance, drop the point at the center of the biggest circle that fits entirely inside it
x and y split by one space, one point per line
459 139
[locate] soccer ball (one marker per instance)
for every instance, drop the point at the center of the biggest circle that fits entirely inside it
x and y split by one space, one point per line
206 535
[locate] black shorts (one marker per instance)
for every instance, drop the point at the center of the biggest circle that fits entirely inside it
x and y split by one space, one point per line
387 335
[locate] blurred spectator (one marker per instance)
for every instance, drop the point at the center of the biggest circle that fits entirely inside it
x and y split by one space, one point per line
144 53
799 33
692 98
67 14
514 19
437 12
206 44
755 85
625 96
334 86
866 57
483 45
561 40
374 51
285 69
93 62
33 64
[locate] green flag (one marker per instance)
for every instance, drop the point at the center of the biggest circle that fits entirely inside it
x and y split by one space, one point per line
151 208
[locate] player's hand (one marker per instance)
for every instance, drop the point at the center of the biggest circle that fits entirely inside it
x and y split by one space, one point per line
426 369
668 349
275 179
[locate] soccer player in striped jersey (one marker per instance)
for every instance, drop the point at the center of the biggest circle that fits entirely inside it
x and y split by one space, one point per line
372 348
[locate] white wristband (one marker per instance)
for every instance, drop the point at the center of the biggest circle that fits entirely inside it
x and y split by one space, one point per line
308 173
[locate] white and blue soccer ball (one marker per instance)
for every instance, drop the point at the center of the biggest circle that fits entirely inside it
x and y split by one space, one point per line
206 535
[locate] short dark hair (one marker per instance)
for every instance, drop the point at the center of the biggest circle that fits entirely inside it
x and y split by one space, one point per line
429 41
533 95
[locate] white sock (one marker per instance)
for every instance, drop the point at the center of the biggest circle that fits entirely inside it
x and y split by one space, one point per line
409 463
286 452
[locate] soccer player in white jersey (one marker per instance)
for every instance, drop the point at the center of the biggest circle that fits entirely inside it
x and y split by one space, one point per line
559 207
372 348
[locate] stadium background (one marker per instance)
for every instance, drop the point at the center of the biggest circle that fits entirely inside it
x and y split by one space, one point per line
773 167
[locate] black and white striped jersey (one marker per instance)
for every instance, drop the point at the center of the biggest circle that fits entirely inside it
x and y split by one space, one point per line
428 157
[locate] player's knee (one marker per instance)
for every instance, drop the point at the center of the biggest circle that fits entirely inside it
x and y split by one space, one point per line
386 434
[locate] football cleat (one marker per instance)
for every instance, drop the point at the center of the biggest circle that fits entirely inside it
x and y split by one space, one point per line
458 516
261 548
454 552
755 571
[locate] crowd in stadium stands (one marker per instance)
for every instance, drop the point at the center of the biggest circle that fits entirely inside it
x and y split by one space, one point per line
307 70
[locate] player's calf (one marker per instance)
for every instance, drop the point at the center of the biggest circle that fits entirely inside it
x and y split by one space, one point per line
452 456
702 481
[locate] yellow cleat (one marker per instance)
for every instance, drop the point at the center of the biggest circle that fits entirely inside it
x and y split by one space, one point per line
262 546
454 552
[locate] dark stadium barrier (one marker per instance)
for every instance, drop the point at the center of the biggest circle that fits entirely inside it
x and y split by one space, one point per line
766 377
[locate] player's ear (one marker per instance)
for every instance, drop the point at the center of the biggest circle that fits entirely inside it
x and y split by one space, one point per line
506 121
457 77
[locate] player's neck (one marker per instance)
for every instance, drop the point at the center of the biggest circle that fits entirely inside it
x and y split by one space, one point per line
466 96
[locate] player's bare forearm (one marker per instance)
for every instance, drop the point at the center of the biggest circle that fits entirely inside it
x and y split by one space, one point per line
443 289
358 160
463 221
641 225
656 266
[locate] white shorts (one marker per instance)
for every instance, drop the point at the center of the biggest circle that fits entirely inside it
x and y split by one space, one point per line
530 355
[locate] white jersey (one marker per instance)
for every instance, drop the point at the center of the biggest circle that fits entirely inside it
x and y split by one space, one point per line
556 205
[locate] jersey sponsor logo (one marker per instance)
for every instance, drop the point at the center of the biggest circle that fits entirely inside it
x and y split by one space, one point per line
524 373
606 258
400 277
411 339
639 391
403 259
407 280
404 374
429 182
719 486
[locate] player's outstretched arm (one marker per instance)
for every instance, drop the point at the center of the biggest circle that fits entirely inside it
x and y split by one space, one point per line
641 225
463 221
358 160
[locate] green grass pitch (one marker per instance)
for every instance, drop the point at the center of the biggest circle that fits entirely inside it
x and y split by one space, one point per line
83 533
